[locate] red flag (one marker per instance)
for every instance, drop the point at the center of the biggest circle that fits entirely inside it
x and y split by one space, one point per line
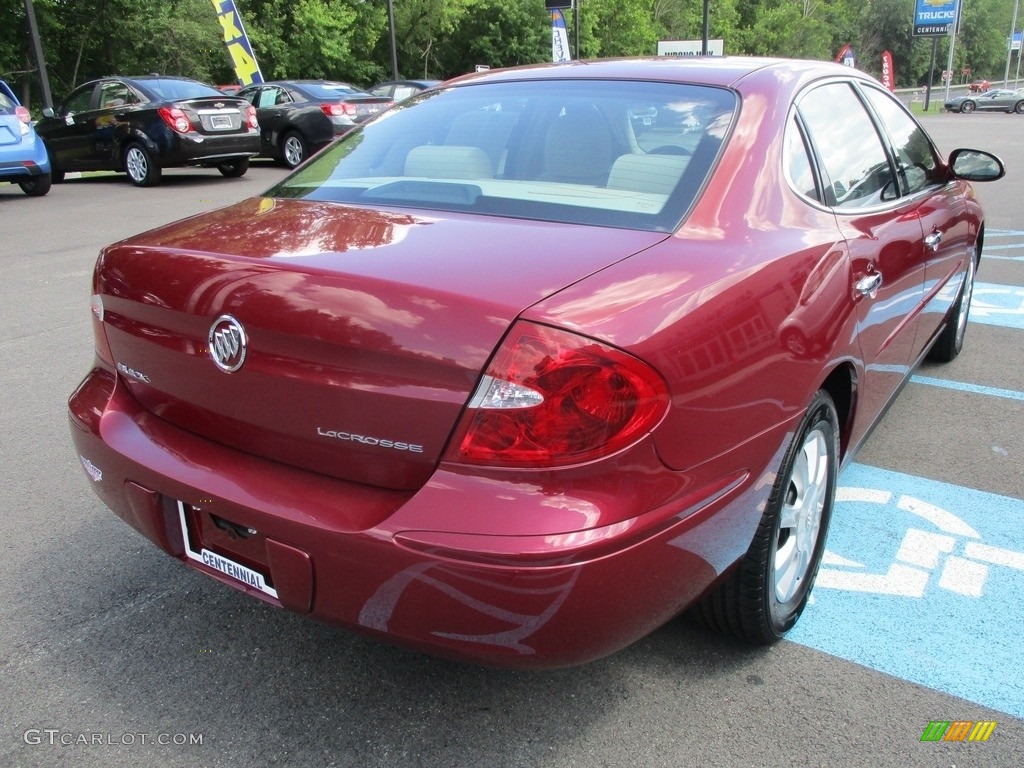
888 72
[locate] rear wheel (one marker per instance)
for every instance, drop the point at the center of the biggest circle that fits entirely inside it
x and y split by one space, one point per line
139 165
233 169
293 149
951 341
1019 107
765 594
37 186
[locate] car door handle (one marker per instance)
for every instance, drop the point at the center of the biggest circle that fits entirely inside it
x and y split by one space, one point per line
932 240
867 285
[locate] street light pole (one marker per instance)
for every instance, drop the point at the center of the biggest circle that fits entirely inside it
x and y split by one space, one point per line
1009 47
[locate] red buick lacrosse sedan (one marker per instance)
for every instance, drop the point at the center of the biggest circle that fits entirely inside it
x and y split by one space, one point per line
533 362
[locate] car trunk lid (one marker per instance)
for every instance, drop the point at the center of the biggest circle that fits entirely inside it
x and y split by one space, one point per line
365 331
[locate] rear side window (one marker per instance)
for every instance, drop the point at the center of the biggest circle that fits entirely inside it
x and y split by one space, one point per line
918 164
849 146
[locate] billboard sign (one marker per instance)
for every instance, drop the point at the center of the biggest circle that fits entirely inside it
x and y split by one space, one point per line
934 18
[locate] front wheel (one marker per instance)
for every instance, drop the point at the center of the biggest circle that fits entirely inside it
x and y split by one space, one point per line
967 106
234 169
765 594
1019 107
951 341
139 165
37 186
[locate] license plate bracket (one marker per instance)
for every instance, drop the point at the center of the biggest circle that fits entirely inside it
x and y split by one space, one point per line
236 571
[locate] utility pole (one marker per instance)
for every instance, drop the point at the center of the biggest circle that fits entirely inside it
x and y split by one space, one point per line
37 48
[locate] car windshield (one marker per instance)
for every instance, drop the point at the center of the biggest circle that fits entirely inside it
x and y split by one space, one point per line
331 90
175 90
6 105
608 153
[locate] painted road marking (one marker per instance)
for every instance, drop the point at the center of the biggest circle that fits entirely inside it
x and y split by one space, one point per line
987 251
924 580
996 304
977 389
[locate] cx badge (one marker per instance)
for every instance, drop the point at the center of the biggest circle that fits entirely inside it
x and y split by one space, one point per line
227 343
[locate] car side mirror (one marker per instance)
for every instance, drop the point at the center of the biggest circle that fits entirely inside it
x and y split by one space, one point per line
976 165
48 112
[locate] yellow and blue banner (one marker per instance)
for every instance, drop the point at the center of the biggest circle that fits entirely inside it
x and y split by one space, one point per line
242 57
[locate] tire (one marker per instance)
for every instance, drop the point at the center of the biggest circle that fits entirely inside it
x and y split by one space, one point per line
293 149
951 341
234 169
139 165
1019 107
37 186
764 595
967 106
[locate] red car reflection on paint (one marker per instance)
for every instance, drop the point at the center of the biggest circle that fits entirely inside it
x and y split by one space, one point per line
504 375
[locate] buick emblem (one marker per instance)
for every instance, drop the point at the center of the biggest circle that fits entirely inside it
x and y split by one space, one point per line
227 343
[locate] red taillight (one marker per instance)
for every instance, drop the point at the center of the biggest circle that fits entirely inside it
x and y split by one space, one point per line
23 114
552 398
176 118
250 117
333 109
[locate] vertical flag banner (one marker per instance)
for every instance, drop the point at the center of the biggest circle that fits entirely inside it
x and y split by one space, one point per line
888 72
242 57
846 56
559 37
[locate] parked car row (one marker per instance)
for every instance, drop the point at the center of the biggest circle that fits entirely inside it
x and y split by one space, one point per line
143 125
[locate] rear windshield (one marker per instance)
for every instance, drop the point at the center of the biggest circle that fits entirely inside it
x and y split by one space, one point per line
176 90
6 105
332 90
610 153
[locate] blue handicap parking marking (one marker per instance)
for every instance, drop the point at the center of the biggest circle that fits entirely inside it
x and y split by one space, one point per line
995 304
924 580
1000 244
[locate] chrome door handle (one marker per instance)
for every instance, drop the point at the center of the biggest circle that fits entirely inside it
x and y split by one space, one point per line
932 240
867 286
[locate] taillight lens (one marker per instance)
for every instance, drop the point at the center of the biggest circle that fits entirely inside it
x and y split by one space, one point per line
176 118
24 119
250 117
98 332
551 398
333 109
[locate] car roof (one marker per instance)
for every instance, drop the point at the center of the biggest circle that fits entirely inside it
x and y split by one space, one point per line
724 71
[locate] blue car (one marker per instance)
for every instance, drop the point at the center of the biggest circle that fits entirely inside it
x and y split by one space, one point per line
23 158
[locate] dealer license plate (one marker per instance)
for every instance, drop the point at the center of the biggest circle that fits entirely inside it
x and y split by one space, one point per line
220 122
237 571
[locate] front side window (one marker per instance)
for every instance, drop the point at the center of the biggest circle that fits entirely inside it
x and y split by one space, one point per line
850 149
610 153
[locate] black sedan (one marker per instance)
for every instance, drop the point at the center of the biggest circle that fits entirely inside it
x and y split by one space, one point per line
1001 100
141 125
300 117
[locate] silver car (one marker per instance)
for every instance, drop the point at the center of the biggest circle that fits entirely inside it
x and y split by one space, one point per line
1000 100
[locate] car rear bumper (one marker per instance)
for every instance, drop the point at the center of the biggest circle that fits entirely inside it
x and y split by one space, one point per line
360 557
197 149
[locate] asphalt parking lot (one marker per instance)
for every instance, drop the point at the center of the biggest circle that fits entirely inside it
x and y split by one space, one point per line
116 655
